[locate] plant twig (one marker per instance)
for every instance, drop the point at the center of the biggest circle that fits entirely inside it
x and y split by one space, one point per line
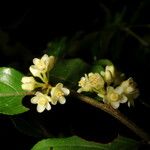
115 113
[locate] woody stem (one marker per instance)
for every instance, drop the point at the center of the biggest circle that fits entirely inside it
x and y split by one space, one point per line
115 113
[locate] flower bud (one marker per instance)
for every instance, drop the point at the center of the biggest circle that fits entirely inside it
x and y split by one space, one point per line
28 83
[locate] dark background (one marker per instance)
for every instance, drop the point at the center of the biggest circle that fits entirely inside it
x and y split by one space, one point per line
25 31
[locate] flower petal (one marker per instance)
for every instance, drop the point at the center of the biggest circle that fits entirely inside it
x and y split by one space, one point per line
53 91
66 91
34 100
40 108
115 105
110 68
54 101
50 63
45 58
62 100
35 72
129 104
59 85
124 99
79 90
36 61
27 79
104 100
119 90
38 94
48 106
108 76
28 87
48 98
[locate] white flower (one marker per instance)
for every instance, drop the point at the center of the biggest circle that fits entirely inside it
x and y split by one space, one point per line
114 97
128 87
91 82
84 84
42 101
41 66
96 80
57 94
109 74
29 83
35 72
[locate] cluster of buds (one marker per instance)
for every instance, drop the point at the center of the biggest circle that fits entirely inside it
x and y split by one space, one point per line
109 86
45 93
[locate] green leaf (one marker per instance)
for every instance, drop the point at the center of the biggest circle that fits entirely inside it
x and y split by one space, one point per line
11 93
68 71
100 65
76 143
104 62
57 48
97 68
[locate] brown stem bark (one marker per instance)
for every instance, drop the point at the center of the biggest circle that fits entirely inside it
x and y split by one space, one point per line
115 113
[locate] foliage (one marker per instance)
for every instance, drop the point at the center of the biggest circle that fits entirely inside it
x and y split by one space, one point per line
76 143
11 93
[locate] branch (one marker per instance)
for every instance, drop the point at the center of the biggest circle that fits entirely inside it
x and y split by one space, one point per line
115 113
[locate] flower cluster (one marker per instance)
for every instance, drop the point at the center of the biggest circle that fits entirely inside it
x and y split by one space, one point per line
45 94
110 86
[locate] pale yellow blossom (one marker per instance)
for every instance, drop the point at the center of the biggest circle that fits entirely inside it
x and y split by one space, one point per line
28 83
91 82
41 66
84 84
42 101
109 74
128 87
114 97
58 94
